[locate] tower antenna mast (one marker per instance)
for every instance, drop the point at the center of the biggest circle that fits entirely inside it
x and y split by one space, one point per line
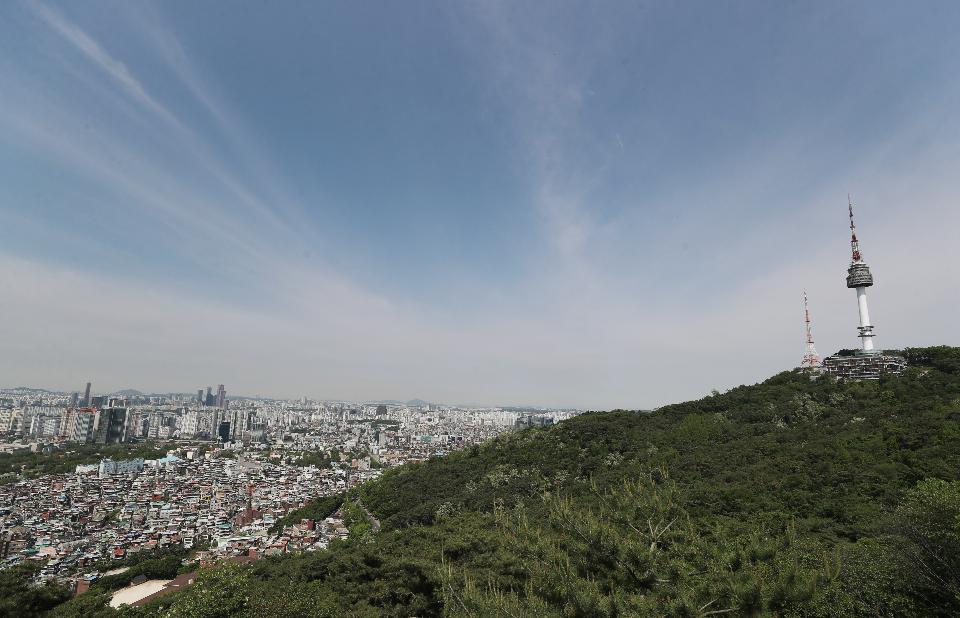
811 359
854 243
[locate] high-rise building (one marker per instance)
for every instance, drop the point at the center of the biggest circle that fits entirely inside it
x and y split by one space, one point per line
154 421
66 423
188 424
223 431
111 426
16 421
8 419
83 425
200 396
240 422
86 396
221 396
45 425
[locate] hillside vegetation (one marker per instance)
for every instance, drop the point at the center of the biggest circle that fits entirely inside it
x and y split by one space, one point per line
793 497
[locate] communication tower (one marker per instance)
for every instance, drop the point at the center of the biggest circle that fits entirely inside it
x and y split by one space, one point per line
859 278
811 359
865 363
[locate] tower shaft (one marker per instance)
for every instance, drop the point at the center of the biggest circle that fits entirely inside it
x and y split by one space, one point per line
866 329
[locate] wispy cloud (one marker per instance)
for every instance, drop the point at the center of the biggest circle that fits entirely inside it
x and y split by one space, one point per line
117 71
663 295
543 81
200 210
269 181
92 50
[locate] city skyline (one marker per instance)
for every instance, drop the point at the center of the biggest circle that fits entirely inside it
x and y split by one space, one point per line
592 207
131 393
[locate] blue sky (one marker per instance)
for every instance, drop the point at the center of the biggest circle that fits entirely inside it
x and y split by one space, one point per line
593 204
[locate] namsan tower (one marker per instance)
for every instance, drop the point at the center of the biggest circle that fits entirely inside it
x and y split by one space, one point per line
866 363
859 278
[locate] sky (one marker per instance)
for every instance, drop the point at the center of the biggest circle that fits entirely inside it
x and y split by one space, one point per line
596 204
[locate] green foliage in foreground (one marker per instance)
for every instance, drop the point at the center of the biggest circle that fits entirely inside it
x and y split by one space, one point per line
19 597
632 555
794 497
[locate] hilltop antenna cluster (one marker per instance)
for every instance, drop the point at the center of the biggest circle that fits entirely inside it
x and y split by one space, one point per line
811 359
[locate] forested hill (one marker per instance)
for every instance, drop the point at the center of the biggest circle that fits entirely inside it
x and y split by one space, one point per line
840 453
793 497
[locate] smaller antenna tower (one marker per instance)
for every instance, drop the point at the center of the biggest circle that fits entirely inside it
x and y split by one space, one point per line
811 359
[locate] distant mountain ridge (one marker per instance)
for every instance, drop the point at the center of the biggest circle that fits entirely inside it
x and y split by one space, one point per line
28 389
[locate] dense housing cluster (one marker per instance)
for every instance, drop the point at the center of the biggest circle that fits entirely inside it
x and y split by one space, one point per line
76 519
229 495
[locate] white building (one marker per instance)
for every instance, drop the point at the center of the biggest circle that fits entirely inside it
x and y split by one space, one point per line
108 467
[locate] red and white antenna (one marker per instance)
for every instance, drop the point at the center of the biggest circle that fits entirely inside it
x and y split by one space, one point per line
854 243
811 359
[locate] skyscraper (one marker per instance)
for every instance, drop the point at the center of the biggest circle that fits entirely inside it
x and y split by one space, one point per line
223 431
86 396
67 420
83 425
111 426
